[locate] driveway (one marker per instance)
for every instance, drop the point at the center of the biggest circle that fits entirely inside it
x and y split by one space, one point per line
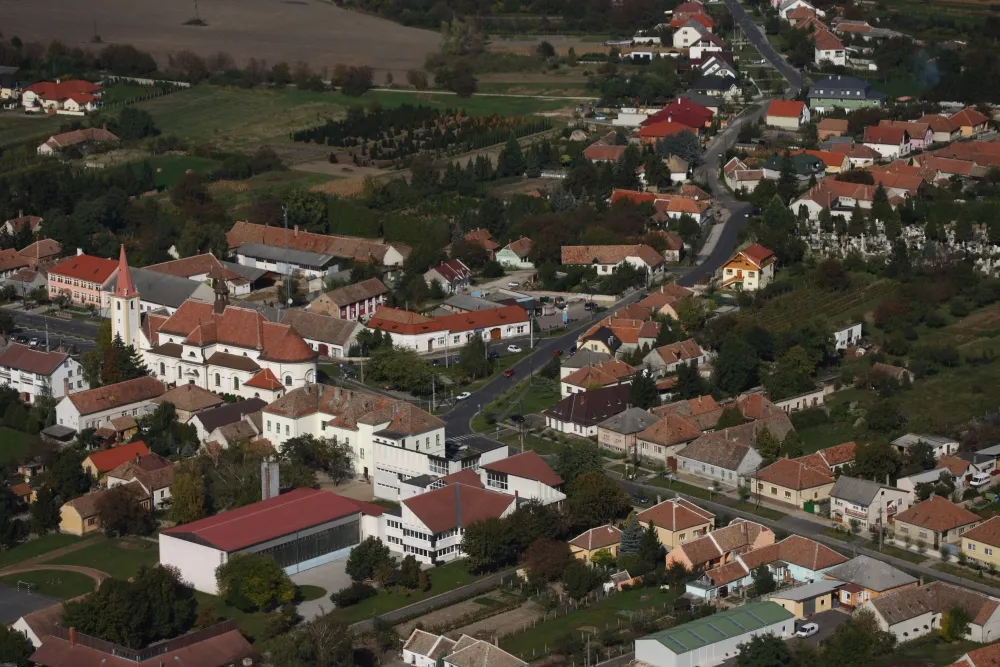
828 621
331 577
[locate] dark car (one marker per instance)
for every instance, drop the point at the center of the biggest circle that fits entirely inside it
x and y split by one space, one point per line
572 350
435 362
23 340
517 419
493 355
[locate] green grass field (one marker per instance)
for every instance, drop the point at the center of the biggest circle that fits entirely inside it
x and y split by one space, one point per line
605 613
307 593
246 119
251 625
125 92
15 446
17 128
272 182
59 584
443 579
169 168
36 547
120 558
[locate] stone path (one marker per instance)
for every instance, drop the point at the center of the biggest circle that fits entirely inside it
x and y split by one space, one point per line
42 562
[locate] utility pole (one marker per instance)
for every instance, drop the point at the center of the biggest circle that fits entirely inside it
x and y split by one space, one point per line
433 390
362 370
881 533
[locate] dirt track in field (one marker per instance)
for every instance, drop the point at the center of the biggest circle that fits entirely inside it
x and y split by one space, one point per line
312 31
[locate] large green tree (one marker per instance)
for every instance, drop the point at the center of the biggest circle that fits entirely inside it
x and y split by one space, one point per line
735 367
254 582
594 499
367 557
764 650
15 648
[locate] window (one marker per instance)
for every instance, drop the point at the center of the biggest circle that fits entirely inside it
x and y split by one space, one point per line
970 546
362 453
288 380
788 494
218 380
236 383
288 429
496 480
988 551
269 425
92 521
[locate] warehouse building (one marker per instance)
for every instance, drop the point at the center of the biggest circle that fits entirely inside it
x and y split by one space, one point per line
714 639
301 529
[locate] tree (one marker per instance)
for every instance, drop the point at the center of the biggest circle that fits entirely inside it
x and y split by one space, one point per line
473 360
764 650
545 560
187 494
921 455
357 80
788 183
603 558
791 446
66 476
594 500
763 581
409 572
685 145
874 461
643 393
578 579
832 276
651 550
767 444
134 123
955 624
15 648
45 511
735 366
254 582
731 416
121 513
326 454
511 160
366 558
417 79
487 545
690 383
631 538
322 642
577 457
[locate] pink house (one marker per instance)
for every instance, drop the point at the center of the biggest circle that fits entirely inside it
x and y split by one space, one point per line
921 134
81 278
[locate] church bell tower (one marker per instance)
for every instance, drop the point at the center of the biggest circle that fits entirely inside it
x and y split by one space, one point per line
125 305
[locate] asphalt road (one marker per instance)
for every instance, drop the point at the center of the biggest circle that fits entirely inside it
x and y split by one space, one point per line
71 332
757 38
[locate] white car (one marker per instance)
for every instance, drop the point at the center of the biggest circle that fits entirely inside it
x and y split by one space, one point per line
464 395
513 349
513 283
807 630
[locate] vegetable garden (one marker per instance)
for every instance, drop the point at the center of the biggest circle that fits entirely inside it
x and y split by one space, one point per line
392 136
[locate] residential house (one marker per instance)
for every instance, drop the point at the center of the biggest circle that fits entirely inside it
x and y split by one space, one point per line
84 137
897 373
423 649
327 335
11 261
589 543
25 281
787 114
720 546
706 43
845 92
618 433
526 475
681 110
580 413
981 544
740 177
707 101
799 482
604 258
725 87
204 268
809 599
750 269
207 421
480 237
839 197
673 208
970 122
987 656
451 276
667 358
847 336
358 250
935 522
677 521
425 334
786 7
188 400
831 127
939 445
601 152
866 578
858 156
804 167
834 163
152 471
828 50
664 299
352 302
606 374
965 466
920 133
83 280
889 142
944 129
870 503
915 612
515 254
98 464
662 440
37 625
581 359
812 398
689 33
701 412
719 64
727 456
618 334
73 95
93 408
41 251
81 516
33 372
654 132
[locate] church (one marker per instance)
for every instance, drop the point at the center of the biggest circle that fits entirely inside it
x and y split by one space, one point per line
217 346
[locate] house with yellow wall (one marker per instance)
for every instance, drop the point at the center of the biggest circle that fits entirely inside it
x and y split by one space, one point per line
982 543
934 522
813 598
793 482
99 464
676 521
603 538
81 516
749 269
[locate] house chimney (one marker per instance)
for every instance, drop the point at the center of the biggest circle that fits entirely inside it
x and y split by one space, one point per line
296 230
72 636
79 251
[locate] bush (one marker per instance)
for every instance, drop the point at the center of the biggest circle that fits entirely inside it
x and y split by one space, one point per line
809 418
353 594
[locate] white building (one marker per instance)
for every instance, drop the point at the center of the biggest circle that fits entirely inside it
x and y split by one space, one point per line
425 334
32 372
301 529
93 408
714 639
915 612
939 445
870 503
604 258
152 471
847 336
422 649
327 336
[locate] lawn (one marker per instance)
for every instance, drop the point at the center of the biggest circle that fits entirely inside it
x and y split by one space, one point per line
59 584
169 168
826 435
120 558
902 554
36 547
271 182
251 625
541 395
965 573
762 510
599 615
949 398
15 446
928 650
125 92
238 118
443 579
842 535
543 447
18 128
682 487
307 593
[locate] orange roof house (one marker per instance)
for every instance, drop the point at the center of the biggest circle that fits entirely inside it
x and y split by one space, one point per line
787 113
970 121
749 269
100 463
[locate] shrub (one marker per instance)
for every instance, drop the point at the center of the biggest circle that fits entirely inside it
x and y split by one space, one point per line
353 594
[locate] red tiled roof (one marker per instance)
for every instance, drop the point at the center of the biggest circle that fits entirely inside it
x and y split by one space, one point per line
953 464
833 125
468 476
987 656
939 514
938 123
609 254
457 505
794 474
186 267
85 267
265 379
266 520
757 253
684 111
116 395
528 465
619 194
453 271
968 117
676 514
785 108
800 12
987 532
391 320
679 351
358 249
24 358
61 90
838 454
663 128
880 134
228 648
603 374
829 158
599 152
12 259
597 538
109 459
827 41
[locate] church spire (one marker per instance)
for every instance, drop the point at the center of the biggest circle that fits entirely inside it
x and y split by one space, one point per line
125 288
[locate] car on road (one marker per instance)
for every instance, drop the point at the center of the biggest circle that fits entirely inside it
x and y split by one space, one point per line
513 283
517 419
435 362
508 373
513 349
572 350
23 340
35 342
464 395
493 355
807 630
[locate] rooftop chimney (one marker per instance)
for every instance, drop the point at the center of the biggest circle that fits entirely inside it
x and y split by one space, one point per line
72 636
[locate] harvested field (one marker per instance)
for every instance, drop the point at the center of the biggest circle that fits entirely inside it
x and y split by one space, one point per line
312 31
503 624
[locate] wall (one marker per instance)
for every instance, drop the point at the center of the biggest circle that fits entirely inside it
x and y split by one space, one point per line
672 539
197 563
571 428
67 415
981 552
71 522
805 401
655 653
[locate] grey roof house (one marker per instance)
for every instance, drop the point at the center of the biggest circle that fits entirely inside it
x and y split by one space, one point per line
160 290
582 412
864 577
941 446
870 503
582 359
329 336
208 420
727 456
844 91
618 433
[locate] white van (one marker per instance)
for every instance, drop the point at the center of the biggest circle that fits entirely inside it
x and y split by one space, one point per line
980 479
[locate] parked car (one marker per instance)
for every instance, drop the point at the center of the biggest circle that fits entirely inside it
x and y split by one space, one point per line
23 340
464 395
508 373
517 419
35 342
807 630
513 349
513 283
980 479
572 350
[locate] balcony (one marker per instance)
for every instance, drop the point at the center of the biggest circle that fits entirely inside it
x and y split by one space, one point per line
857 514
